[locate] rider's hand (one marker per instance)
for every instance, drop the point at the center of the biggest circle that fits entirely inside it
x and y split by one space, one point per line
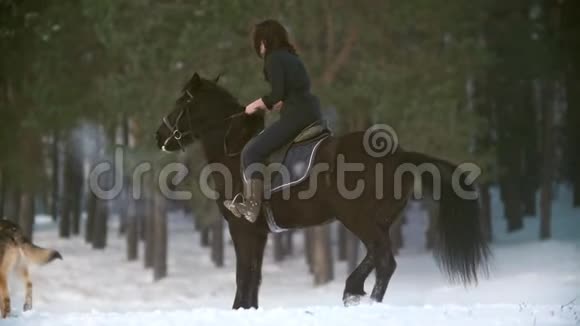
254 106
278 106
251 108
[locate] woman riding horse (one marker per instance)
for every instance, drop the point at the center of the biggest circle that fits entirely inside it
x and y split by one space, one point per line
205 110
290 92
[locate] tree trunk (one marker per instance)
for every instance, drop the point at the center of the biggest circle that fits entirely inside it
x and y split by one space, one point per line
278 246
529 201
91 217
485 212
573 137
159 237
569 31
100 225
69 191
55 175
576 193
396 234
432 209
132 231
512 204
547 167
124 207
44 204
529 151
352 248
196 222
308 249
545 209
217 242
14 216
289 243
26 219
149 233
342 242
64 221
144 209
528 186
509 151
322 255
129 223
126 196
77 198
2 193
204 236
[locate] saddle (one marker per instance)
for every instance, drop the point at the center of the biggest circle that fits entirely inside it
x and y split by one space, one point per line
291 164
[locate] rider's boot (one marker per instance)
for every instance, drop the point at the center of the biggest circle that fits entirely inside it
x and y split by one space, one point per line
252 202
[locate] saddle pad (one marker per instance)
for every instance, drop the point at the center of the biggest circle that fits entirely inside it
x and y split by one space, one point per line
293 168
297 163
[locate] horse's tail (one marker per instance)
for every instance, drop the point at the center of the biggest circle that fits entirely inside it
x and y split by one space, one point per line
461 249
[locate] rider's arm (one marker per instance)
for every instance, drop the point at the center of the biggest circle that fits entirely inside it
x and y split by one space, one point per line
275 70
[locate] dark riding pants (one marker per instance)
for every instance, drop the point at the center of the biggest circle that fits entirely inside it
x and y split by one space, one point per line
272 138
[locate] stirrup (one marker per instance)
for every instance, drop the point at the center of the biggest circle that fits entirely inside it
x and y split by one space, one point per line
251 210
231 205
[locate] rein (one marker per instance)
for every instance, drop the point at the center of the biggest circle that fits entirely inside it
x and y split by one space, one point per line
226 151
178 135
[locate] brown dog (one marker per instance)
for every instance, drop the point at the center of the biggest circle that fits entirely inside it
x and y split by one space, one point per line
16 251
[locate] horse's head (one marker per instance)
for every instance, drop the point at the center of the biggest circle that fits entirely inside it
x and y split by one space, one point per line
203 106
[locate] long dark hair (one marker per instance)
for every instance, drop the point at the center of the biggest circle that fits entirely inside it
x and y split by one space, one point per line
274 36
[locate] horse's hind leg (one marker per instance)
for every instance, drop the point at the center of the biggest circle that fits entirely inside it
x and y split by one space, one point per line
385 266
374 233
385 263
367 232
354 287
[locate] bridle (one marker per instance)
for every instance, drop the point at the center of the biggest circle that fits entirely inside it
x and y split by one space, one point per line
174 132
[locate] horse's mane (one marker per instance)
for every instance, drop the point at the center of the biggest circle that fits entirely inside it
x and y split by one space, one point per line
222 102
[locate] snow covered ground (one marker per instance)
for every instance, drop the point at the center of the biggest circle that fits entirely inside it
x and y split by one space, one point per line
531 283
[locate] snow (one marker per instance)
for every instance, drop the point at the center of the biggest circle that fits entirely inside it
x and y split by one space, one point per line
362 315
531 283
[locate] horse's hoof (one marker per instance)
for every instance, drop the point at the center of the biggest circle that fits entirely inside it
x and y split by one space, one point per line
352 300
27 307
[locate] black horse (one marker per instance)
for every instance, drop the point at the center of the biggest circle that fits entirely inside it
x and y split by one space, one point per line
207 112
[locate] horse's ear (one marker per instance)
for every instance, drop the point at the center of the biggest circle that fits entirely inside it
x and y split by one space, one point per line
195 79
217 79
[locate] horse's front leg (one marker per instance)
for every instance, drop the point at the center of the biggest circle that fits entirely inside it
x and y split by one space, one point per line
249 246
257 273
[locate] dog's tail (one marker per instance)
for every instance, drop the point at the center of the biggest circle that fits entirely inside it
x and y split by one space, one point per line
38 255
